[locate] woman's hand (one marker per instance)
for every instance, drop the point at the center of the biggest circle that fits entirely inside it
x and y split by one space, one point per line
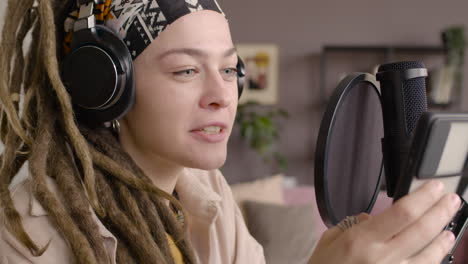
409 232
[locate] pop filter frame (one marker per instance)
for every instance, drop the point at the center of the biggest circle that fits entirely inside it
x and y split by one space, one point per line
321 181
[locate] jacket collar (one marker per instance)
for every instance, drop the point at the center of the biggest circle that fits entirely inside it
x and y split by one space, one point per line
36 209
195 195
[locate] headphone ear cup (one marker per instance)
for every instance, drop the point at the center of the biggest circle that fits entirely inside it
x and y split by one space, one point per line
98 74
240 76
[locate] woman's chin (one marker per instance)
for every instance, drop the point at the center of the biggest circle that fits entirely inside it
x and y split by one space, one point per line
208 163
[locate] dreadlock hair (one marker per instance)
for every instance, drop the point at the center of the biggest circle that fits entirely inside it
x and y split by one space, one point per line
83 161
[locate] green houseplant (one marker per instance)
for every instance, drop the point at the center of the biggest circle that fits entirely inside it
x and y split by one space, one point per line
259 128
454 42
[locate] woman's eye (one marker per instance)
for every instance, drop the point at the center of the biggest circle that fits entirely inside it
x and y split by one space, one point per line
185 73
230 72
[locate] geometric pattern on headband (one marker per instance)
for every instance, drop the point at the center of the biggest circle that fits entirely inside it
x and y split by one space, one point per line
139 22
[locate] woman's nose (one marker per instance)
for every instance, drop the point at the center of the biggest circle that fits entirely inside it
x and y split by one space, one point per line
217 93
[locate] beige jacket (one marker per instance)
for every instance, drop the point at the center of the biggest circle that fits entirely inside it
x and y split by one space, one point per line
216 227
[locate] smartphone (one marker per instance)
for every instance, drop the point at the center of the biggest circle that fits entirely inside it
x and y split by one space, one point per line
439 150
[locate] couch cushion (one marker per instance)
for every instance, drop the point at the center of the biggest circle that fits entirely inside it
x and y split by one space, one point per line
268 190
286 232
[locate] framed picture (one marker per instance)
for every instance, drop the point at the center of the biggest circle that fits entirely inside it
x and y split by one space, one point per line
261 80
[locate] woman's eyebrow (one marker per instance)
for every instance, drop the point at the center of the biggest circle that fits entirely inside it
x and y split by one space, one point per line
194 52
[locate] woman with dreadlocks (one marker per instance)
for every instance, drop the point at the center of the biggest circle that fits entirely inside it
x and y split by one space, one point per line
122 110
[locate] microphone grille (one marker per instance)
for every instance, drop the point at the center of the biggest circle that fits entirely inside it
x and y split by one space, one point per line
414 92
403 65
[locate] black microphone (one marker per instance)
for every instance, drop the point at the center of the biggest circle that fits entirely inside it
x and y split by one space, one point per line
403 91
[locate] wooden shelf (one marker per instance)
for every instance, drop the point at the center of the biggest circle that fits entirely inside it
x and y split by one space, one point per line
389 53
360 48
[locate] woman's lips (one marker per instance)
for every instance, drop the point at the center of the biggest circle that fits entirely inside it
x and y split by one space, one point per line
210 133
210 138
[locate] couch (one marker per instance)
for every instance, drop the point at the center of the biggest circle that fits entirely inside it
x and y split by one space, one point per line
285 219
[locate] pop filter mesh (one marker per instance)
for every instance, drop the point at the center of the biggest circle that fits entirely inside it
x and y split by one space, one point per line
355 155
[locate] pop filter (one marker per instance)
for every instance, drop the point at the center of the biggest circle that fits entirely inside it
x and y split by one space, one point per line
349 159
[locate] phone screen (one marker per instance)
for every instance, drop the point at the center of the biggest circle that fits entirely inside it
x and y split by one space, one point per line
445 151
444 155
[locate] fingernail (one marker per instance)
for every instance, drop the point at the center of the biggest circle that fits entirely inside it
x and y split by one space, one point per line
455 199
449 236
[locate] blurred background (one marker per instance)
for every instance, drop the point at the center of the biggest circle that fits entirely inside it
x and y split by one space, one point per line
297 52
318 43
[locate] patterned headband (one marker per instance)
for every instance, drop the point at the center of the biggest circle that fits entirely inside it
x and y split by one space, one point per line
139 22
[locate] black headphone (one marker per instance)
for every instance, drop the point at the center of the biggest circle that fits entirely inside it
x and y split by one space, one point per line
98 72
